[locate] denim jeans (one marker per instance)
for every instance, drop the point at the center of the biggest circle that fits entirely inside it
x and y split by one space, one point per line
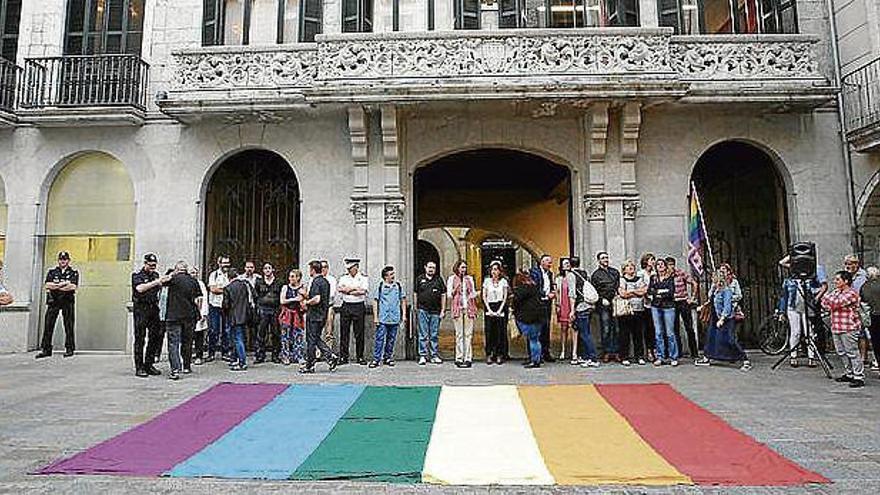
664 332
532 331
586 349
429 333
608 324
174 332
218 331
386 334
237 335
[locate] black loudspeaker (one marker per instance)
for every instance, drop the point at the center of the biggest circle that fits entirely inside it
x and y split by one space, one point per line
802 256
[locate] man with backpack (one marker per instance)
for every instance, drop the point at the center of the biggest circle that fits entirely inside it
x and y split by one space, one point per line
389 312
583 300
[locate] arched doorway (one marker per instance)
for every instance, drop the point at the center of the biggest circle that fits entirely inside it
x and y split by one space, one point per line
252 207
744 205
494 202
90 213
425 252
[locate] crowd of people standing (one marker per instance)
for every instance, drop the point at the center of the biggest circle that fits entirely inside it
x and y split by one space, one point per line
644 314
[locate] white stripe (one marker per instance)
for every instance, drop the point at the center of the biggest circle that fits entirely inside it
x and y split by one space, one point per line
481 436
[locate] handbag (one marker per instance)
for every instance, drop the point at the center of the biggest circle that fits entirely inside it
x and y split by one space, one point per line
621 307
738 314
512 330
705 313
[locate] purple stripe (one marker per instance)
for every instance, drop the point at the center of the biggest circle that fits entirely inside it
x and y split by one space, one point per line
155 447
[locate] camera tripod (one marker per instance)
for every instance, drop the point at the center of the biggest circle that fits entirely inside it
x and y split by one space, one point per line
807 340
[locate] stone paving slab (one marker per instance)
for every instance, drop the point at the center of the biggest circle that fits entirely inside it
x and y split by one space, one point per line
57 407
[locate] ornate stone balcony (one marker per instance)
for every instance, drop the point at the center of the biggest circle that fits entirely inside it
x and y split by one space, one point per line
504 64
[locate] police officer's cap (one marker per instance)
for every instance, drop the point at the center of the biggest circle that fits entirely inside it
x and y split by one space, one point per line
63 255
351 262
150 258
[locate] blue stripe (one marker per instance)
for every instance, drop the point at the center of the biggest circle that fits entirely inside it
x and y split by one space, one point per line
275 440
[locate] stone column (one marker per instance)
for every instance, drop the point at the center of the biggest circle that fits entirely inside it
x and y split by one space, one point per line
614 229
359 212
595 209
648 13
41 32
332 17
393 246
630 207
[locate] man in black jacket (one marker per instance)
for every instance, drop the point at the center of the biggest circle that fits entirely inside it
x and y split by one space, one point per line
606 280
145 287
181 313
238 306
268 292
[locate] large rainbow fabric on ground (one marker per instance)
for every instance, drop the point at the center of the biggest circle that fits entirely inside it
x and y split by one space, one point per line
477 435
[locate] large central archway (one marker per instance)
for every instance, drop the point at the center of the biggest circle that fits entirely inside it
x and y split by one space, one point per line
744 202
252 211
519 202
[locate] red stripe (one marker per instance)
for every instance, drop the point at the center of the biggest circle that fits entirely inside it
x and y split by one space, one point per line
698 443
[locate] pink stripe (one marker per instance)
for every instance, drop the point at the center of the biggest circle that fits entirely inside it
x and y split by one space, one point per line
155 447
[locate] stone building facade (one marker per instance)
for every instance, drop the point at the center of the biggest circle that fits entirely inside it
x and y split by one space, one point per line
563 135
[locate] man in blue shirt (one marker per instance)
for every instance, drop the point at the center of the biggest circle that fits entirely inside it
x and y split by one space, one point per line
389 312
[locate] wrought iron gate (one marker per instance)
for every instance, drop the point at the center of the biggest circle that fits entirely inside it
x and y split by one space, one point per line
252 211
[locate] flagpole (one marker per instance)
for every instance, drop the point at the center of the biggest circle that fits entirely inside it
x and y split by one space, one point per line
703 224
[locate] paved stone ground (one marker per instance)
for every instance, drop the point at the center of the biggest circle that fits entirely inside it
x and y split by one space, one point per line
57 407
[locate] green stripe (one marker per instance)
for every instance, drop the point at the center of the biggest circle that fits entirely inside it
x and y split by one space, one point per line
382 437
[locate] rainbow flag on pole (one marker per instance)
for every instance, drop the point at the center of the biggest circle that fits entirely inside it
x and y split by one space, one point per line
696 233
640 434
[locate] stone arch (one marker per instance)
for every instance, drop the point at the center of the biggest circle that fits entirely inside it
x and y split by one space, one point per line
251 209
90 213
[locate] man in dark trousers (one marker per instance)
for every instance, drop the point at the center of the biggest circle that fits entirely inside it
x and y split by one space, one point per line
354 287
606 280
543 278
317 305
239 311
145 287
61 284
181 313
268 292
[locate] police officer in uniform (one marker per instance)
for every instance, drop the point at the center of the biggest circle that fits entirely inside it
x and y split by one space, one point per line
61 284
145 287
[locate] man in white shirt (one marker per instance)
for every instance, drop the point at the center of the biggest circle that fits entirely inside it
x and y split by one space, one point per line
218 330
353 286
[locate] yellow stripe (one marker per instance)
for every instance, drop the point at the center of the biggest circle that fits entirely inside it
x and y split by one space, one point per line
585 441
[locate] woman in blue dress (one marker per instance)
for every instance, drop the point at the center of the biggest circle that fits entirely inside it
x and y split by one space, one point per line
721 343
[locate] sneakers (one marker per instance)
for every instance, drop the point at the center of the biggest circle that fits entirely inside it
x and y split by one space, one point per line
626 363
141 374
856 383
332 362
531 365
703 361
642 362
422 361
187 371
467 364
875 366
374 364
305 371
151 370
198 361
238 367
575 361
843 379
436 360
389 363
174 375
42 355
674 362
746 366
658 362
590 363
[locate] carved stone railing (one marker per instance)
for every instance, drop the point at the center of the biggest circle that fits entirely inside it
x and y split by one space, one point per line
245 67
494 54
554 63
745 57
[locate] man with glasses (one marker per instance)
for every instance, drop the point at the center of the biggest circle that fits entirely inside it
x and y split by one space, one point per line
145 287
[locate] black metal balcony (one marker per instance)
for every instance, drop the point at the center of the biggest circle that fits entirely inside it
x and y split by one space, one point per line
9 76
861 100
83 82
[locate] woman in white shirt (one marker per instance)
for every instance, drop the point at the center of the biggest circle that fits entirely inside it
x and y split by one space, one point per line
202 324
461 293
495 290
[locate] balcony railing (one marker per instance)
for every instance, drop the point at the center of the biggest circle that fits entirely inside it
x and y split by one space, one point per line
85 81
9 75
861 97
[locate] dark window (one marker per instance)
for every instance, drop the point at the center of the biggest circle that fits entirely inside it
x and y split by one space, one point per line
310 19
104 27
10 13
510 13
621 13
728 16
430 15
357 16
226 22
467 14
